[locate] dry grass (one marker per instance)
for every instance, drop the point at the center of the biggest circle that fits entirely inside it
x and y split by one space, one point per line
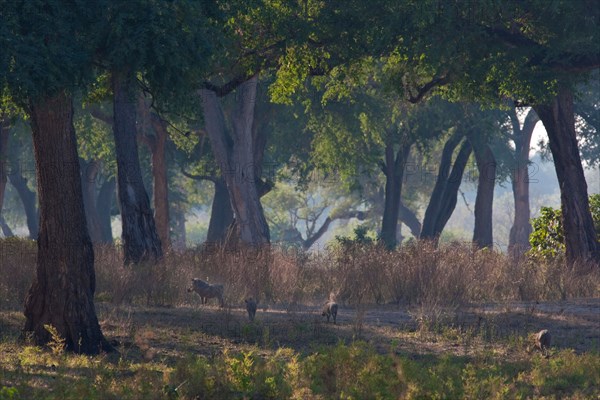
447 277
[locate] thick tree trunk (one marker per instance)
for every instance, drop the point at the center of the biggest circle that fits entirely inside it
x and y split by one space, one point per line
63 289
104 203
221 214
159 174
161 185
140 239
518 242
486 166
394 173
28 198
89 176
235 157
450 193
559 120
428 229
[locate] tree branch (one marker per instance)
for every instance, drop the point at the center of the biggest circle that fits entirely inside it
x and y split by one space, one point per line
211 178
423 90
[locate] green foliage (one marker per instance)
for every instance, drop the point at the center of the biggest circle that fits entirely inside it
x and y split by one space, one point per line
9 393
547 237
354 371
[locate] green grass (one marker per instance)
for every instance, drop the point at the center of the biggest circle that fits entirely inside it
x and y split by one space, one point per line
344 371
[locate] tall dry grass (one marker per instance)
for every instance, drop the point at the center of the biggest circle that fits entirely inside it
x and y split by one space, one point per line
417 274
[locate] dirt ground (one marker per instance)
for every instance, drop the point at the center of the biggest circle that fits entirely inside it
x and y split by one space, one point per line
170 333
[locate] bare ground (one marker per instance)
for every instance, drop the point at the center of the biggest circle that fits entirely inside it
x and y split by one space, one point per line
171 333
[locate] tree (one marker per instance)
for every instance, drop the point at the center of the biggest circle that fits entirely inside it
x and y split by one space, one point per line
535 53
547 238
52 38
163 44
236 160
521 136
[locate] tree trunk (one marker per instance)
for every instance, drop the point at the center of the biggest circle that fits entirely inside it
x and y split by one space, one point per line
235 157
518 242
62 293
486 165
140 240
6 231
221 214
394 173
104 203
89 176
559 120
159 174
28 198
408 217
450 193
428 229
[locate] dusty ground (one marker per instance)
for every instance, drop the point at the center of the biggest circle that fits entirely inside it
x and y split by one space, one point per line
170 333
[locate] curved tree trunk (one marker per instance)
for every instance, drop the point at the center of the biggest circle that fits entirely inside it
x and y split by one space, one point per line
235 157
428 229
408 217
518 242
559 120
63 289
140 239
450 193
486 165
393 169
28 198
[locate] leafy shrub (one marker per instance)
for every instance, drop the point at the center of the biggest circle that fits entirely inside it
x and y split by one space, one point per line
547 239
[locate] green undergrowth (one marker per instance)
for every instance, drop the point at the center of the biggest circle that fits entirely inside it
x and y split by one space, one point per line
354 371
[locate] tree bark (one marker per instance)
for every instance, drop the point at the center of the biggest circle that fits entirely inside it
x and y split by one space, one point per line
159 174
63 289
393 169
486 166
221 214
559 120
235 156
518 242
140 239
432 213
450 193
408 217
89 176
28 198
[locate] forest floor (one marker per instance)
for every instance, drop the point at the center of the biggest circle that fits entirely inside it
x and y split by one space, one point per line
168 333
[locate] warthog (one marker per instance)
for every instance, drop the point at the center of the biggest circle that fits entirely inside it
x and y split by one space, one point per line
542 341
207 291
251 308
330 310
